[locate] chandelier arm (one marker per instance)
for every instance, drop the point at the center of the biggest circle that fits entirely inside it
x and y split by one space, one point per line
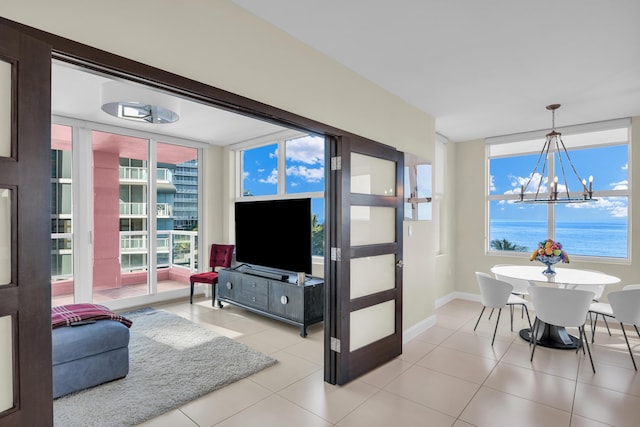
543 171
575 171
543 152
564 175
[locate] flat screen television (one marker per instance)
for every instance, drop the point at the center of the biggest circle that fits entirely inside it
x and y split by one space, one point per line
274 234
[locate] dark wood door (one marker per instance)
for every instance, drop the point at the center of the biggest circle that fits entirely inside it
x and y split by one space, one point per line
363 277
25 245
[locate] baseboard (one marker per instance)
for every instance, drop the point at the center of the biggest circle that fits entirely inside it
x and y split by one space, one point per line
418 328
430 321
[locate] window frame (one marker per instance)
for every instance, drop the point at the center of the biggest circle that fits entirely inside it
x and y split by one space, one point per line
281 192
501 149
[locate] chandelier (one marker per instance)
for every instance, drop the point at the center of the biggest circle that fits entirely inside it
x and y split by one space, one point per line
553 145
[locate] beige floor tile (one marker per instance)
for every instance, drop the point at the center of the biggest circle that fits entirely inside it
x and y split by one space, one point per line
476 344
171 419
452 322
458 364
563 363
386 373
415 350
435 335
612 377
487 326
493 408
329 402
443 393
385 409
614 351
460 308
546 389
309 349
607 406
225 402
275 411
578 421
287 371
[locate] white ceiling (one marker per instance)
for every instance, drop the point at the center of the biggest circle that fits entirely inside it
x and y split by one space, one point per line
77 93
481 68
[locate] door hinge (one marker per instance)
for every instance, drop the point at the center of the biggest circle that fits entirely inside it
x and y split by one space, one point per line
336 254
336 163
335 344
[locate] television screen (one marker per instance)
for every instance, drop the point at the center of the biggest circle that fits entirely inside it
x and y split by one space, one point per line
274 234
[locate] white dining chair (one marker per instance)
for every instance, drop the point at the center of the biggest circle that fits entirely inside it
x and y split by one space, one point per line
561 307
596 306
625 305
520 286
605 310
494 294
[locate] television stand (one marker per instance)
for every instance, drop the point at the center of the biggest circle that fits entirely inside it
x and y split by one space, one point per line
278 297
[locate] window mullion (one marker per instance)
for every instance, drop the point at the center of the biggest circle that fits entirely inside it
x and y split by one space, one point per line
282 170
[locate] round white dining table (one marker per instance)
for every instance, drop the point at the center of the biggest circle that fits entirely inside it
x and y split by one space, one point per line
566 277
554 336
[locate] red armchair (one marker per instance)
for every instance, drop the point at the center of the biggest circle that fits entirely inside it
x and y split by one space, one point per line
220 256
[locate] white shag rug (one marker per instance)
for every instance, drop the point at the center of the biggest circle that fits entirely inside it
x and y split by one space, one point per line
172 361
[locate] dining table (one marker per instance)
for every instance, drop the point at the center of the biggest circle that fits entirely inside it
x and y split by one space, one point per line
555 336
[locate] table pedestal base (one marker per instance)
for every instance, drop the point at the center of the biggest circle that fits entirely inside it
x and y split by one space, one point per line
552 336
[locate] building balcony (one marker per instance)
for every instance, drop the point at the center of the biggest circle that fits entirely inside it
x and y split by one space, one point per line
140 210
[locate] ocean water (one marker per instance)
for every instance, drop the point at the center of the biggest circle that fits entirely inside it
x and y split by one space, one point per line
604 239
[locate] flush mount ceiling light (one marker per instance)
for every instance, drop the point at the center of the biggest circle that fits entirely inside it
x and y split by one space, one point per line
133 103
554 147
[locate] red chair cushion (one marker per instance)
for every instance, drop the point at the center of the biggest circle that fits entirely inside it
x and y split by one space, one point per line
209 277
221 256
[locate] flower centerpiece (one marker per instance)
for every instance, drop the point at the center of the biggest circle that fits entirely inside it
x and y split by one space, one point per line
549 253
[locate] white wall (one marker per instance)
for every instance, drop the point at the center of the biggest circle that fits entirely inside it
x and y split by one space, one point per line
217 43
471 214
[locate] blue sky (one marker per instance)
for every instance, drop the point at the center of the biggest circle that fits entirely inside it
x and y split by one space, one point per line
304 166
607 165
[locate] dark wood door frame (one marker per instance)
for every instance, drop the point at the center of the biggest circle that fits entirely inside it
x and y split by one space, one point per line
27 298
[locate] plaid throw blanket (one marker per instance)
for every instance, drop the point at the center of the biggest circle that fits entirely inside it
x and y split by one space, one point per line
65 315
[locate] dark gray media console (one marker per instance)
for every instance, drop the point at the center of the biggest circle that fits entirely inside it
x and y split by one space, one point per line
274 295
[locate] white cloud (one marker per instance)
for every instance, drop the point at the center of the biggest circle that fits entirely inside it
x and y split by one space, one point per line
621 185
308 150
308 174
625 167
620 212
274 154
517 182
271 179
245 175
492 184
615 206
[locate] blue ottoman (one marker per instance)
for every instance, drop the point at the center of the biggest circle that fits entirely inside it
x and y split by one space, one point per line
89 354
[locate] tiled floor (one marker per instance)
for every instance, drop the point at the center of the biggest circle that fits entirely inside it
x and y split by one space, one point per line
447 376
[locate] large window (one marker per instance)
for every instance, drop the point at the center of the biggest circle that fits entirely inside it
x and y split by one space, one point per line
598 228
289 168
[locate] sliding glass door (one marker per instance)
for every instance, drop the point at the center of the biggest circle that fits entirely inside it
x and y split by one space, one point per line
176 201
124 215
